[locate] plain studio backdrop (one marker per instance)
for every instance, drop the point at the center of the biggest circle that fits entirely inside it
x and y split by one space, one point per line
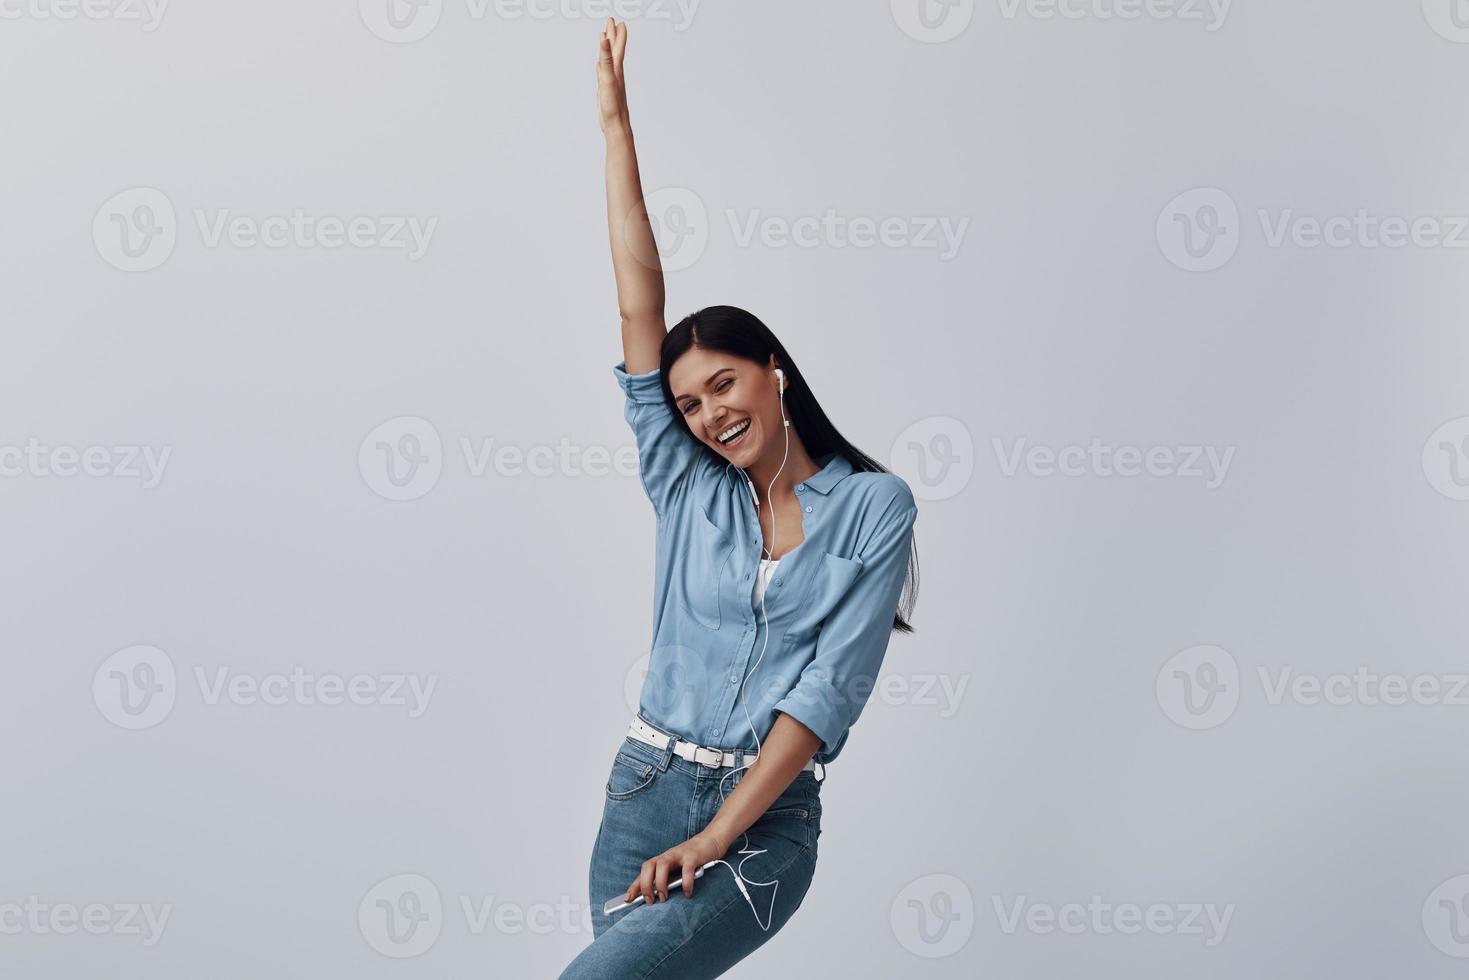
326 580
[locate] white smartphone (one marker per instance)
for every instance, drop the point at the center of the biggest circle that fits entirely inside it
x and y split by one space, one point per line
617 904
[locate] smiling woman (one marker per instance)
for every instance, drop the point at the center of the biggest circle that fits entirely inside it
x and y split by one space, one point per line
719 408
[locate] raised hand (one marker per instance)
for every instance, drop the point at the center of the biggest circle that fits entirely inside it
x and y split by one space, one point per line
611 93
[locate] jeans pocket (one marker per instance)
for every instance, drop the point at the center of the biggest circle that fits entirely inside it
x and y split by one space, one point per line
630 776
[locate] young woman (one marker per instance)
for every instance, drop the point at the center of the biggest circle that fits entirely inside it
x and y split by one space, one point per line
782 556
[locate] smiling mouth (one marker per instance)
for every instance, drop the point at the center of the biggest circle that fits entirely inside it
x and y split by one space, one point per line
741 430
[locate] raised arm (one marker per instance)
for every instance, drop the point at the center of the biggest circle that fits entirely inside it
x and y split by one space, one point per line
635 259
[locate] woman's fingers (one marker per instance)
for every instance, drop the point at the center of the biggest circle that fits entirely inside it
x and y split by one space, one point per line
690 868
619 46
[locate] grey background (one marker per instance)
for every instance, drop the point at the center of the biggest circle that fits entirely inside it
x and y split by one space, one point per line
1059 776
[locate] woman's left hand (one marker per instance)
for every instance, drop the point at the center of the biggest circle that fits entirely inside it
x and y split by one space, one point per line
686 858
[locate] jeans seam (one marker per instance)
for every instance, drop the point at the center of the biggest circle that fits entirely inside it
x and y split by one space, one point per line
719 912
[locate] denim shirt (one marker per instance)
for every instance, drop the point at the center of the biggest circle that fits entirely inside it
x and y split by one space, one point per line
830 603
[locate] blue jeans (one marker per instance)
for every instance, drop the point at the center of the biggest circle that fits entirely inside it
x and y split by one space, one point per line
655 800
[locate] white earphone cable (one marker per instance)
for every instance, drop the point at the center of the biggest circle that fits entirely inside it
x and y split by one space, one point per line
746 850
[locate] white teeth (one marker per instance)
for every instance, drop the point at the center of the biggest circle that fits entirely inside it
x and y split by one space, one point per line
734 430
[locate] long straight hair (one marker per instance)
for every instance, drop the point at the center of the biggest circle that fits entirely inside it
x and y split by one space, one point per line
732 330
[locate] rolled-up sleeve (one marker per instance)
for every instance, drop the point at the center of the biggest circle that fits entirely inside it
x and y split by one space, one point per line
667 453
835 686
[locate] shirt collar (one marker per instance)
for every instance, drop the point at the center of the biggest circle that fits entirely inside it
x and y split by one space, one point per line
832 472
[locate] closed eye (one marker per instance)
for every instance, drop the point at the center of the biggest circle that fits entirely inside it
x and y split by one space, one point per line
723 385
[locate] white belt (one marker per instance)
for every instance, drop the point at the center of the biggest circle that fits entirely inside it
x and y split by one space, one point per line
713 758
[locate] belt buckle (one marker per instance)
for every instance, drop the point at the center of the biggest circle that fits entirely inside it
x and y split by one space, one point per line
717 755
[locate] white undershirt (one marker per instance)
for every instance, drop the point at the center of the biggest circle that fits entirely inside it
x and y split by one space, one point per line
762 579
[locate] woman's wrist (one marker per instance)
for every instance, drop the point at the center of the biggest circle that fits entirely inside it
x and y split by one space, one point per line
617 134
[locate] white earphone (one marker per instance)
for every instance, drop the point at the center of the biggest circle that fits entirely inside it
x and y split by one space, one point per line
747 851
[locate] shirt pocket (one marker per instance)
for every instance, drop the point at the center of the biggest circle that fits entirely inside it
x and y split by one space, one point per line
819 594
700 568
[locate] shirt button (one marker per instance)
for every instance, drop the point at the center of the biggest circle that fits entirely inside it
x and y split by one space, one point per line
734 678
808 510
800 488
716 731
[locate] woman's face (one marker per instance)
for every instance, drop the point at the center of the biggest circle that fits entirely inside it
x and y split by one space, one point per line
717 393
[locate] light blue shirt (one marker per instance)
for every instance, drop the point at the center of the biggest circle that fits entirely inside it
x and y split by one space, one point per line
830 603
